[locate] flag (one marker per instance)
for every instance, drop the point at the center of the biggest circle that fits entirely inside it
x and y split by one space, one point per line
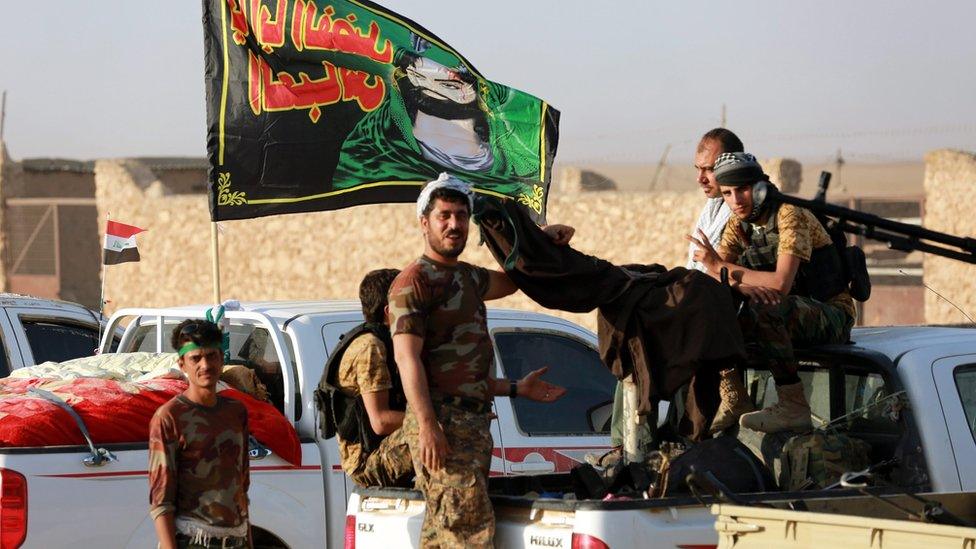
318 105
120 243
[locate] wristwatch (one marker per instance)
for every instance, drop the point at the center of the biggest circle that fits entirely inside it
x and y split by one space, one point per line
512 389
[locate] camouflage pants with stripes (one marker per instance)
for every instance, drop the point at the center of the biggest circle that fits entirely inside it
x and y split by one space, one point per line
774 330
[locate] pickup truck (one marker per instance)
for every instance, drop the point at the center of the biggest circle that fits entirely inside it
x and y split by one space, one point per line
50 498
922 380
35 330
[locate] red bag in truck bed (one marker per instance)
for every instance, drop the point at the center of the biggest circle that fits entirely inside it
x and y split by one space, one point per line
115 411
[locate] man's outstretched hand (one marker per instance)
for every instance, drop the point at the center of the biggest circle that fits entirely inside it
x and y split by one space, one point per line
533 387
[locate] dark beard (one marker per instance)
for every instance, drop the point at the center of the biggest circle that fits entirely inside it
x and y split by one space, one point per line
446 252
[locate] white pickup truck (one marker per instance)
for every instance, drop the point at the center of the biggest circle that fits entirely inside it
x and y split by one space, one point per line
35 330
50 498
933 437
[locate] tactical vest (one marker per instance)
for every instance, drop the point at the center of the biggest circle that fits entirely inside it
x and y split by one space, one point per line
344 415
821 278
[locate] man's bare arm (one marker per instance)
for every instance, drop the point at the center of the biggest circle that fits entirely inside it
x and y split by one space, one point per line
532 387
780 280
499 285
433 443
166 531
382 419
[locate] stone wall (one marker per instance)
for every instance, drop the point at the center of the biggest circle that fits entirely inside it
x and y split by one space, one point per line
324 255
950 206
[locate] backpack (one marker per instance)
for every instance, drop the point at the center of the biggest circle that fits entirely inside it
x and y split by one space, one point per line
347 416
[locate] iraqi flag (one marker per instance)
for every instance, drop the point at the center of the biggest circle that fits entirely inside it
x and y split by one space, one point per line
120 243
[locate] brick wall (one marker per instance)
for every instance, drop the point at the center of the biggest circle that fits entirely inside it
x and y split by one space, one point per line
950 206
325 254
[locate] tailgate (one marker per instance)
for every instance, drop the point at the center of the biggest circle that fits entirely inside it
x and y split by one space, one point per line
384 518
745 527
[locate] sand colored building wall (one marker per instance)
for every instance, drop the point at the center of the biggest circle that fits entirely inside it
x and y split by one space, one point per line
950 206
325 254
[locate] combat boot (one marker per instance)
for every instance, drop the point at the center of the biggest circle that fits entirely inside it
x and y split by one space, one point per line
735 401
791 411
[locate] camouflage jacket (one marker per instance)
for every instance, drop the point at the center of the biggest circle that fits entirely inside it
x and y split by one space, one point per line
198 462
444 305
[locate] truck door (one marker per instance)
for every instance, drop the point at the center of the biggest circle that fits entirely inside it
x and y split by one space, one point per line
52 336
10 358
540 437
955 380
331 333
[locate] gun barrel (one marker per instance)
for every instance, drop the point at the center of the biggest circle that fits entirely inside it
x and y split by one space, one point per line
900 235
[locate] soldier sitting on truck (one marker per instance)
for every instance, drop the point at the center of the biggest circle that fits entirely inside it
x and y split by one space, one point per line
366 394
198 452
779 246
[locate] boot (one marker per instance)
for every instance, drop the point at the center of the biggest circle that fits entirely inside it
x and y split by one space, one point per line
791 411
735 401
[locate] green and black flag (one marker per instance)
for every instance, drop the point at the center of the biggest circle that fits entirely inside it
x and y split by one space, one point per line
319 105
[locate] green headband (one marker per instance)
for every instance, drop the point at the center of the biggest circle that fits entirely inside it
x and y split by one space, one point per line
191 346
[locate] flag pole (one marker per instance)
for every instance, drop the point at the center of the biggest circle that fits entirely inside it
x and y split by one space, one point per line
101 293
215 258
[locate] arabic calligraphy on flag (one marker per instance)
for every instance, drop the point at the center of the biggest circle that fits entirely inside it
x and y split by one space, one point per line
315 105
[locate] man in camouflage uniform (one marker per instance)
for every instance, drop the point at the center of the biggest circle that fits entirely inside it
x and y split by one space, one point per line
365 371
440 337
766 246
198 452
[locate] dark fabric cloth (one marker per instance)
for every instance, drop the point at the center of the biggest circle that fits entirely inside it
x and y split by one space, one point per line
660 325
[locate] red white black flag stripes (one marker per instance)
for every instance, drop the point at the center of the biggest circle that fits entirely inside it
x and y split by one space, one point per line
120 243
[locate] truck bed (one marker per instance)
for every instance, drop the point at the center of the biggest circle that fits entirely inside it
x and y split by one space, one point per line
842 522
382 515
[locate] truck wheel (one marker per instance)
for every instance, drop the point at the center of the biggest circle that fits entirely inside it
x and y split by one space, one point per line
266 540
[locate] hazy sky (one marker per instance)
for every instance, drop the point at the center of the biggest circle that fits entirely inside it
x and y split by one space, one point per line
882 80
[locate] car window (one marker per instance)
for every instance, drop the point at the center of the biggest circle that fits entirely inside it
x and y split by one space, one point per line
573 365
250 346
4 361
58 341
816 387
966 385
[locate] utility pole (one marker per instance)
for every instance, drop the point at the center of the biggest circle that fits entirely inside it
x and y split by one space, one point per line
839 163
722 125
3 113
660 166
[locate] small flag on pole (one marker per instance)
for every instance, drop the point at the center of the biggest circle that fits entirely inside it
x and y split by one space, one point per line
120 243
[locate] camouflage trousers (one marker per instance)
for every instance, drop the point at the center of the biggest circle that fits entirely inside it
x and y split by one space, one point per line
459 513
796 321
388 465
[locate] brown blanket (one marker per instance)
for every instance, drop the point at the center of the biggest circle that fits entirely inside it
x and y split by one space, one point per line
661 325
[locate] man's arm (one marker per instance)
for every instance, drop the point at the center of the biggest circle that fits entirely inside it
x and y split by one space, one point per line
382 419
500 285
166 530
433 443
162 478
532 387
780 280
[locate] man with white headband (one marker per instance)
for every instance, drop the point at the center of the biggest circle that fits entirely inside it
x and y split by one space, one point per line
444 354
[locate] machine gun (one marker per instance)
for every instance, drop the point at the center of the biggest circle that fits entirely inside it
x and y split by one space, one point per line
899 236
